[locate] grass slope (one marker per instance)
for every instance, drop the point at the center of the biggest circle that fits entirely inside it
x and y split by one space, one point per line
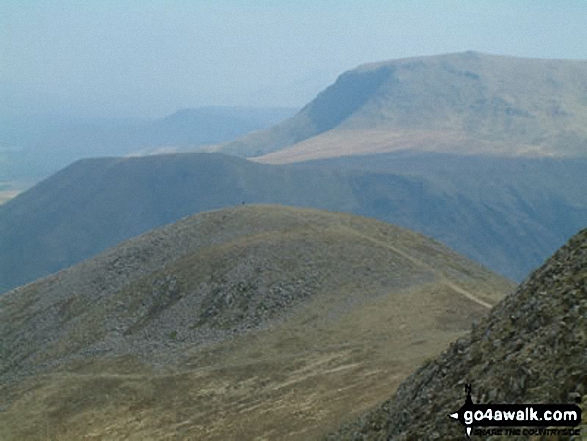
259 322
458 103
530 349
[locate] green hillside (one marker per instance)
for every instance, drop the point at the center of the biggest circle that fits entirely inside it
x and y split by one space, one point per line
200 329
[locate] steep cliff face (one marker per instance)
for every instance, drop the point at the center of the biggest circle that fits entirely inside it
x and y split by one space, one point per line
532 348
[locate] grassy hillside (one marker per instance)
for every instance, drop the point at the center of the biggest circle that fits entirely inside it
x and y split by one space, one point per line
535 339
258 322
468 103
510 220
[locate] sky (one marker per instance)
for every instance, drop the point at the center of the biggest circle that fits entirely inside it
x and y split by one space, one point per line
149 58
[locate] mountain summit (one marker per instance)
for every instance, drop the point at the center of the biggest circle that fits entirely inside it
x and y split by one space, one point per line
201 329
469 102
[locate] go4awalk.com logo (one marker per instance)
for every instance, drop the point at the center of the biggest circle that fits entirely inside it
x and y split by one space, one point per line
508 419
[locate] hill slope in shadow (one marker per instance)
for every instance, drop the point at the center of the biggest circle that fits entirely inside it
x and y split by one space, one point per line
509 221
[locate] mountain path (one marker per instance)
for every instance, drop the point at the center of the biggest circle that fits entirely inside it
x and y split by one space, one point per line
421 264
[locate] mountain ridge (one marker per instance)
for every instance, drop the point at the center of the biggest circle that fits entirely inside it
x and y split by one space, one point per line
33 147
468 102
506 214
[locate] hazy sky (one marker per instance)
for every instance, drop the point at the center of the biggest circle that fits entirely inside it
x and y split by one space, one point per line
149 58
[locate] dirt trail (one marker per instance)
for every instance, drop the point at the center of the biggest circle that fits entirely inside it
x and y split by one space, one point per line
421 264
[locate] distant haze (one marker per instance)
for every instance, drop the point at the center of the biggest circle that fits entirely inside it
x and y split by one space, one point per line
150 58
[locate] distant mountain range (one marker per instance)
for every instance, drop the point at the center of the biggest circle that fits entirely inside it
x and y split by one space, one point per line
34 147
530 349
506 214
203 328
464 103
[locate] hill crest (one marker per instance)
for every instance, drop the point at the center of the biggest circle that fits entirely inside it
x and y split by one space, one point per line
204 326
